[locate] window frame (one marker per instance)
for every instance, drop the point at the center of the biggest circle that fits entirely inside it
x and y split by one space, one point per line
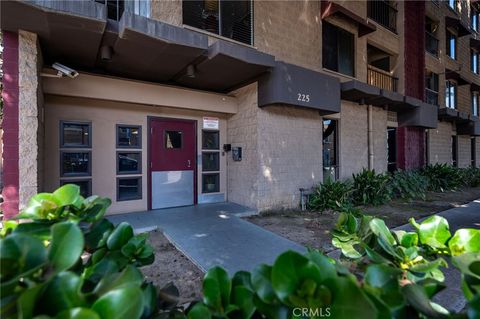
455 93
76 180
474 53
140 140
138 171
454 150
139 191
89 170
218 182
475 96
62 138
474 25
448 48
353 56
217 132
218 161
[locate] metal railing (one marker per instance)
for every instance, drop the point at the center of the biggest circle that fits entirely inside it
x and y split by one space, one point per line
381 79
431 43
384 13
431 96
115 8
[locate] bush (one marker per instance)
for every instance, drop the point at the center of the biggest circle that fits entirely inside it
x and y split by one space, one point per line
442 177
408 185
371 188
331 195
71 262
470 176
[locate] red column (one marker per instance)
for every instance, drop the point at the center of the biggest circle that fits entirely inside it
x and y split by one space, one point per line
10 124
411 140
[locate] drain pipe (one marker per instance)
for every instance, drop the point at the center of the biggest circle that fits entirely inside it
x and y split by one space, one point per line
370 137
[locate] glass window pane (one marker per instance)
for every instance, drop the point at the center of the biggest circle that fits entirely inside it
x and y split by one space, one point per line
75 134
210 183
210 140
173 139
129 188
75 163
129 136
129 162
85 186
210 161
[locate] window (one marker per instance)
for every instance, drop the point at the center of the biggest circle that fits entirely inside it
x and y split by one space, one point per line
383 12
231 19
431 88
84 184
475 103
338 49
173 139
391 149
75 135
451 44
474 61
210 161
329 145
454 150
115 8
473 152
75 141
451 94
129 162
129 136
129 188
431 40
453 4
474 19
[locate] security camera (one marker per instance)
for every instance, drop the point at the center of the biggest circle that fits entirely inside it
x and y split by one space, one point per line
65 70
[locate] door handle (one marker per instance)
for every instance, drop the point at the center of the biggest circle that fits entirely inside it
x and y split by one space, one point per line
189 163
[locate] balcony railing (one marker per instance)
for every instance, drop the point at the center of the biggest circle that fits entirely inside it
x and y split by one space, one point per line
115 8
431 43
384 13
431 97
381 79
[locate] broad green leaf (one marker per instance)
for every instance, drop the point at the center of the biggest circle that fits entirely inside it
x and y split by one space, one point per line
78 313
379 276
129 276
474 308
326 264
381 230
37 229
418 299
407 239
347 247
465 241
429 265
120 236
96 237
150 305
431 286
289 272
68 194
434 232
123 303
243 298
262 284
199 311
216 289
66 246
27 301
61 293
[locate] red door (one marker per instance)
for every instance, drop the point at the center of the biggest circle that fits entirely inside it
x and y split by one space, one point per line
173 162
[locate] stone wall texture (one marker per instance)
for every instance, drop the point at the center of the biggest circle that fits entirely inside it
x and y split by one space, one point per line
29 55
169 11
464 151
440 143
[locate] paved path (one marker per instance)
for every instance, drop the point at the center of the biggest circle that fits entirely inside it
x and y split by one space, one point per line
212 235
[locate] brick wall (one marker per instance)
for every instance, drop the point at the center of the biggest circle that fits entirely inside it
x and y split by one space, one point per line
10 124
464 150
440 143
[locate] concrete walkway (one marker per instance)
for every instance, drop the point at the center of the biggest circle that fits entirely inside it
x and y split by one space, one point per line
213 235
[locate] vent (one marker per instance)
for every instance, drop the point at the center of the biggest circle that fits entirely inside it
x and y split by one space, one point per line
392 116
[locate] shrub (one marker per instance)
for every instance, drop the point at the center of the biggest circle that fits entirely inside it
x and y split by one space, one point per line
331 195
70 262
442 177
408 185
371 188
470 176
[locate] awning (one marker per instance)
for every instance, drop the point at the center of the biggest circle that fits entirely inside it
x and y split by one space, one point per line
330 8
359 92
69 30
423 116
471 128
151 50
447 114
455 75
296 86
226 66
474 43
458 25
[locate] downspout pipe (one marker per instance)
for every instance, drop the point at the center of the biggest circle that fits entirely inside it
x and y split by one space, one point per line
370 137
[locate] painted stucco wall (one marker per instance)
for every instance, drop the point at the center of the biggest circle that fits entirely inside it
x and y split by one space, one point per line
104 116
30 105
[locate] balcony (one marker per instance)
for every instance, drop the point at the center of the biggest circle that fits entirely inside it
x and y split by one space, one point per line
383 13
431 97
115 8
381 79
431 43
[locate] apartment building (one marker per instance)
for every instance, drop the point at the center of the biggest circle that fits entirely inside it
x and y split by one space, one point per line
159 104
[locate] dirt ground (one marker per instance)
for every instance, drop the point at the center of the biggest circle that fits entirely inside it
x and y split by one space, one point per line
172 266
312 229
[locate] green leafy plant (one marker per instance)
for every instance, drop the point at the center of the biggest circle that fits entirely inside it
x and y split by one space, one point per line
408 185
331 195
470 176
442 177
371 188
70 262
